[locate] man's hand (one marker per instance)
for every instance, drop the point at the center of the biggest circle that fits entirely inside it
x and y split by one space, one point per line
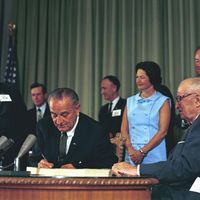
45 164
68 166
124 169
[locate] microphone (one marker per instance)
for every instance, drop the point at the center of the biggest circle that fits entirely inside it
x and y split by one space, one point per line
3 140
28 143
5 144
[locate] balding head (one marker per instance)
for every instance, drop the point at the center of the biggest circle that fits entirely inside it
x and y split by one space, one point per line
189 85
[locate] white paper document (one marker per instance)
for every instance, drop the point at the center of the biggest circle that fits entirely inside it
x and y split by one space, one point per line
69 172
196 185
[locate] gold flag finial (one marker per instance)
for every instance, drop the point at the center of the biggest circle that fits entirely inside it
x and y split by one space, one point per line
11 27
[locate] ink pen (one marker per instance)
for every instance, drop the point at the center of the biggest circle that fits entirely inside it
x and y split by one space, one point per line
43 157
50 165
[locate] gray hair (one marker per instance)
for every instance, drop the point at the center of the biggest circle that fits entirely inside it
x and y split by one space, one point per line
61 93
193 84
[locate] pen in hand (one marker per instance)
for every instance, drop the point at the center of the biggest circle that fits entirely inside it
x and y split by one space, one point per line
43 157
44 163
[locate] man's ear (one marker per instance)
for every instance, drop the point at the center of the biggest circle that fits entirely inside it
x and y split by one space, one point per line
114 88
78 107
197 101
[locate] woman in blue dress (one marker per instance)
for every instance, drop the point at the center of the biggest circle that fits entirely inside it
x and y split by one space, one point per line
146 118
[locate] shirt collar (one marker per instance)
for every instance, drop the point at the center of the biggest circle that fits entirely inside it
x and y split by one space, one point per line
151 98
194 119
115 101
72 131
42 108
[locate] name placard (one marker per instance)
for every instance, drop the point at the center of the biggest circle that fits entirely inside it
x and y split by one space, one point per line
5 98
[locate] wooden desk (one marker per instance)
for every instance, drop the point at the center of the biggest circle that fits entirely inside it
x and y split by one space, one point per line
27 188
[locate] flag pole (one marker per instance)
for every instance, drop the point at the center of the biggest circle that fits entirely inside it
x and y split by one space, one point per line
10 74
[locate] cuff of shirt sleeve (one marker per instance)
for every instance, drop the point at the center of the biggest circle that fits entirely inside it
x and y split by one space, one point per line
138 170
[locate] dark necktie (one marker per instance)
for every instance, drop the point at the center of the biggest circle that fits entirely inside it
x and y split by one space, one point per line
39 114
62 146
110 107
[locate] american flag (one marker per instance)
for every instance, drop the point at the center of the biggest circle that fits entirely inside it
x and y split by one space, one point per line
10 74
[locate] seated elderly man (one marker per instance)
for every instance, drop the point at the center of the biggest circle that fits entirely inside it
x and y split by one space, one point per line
178 173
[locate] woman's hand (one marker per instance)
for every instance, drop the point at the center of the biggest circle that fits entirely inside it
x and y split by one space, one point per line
138 157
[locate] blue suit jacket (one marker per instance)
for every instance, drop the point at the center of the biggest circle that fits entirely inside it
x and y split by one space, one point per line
182 166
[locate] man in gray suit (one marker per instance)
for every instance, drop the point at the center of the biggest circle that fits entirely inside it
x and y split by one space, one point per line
178 173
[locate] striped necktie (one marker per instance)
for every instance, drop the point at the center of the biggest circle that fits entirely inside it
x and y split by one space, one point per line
39 114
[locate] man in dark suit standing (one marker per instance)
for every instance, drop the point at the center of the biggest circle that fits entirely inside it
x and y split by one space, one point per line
12 119
110 115
178 173
70 139
40 108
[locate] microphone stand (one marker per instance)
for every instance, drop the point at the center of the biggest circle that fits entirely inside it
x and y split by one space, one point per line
16 172
1 160
1 163
17 164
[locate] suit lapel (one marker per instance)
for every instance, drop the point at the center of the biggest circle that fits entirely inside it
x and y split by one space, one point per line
190 127
183 138
47 111
118 105
77 139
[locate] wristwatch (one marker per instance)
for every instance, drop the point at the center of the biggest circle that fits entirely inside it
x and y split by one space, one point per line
142 152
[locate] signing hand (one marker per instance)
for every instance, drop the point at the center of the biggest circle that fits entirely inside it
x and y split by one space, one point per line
45 164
